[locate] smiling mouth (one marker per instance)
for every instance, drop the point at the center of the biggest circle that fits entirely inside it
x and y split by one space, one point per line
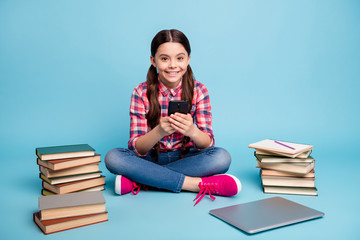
172 73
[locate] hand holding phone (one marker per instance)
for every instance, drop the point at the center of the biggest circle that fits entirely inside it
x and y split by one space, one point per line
181 106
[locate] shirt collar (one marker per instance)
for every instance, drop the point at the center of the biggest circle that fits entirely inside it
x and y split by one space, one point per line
165 91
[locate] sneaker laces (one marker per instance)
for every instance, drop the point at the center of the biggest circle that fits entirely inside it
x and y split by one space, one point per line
136 188
206 188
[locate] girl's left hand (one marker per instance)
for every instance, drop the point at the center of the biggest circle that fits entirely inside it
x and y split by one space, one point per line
183 123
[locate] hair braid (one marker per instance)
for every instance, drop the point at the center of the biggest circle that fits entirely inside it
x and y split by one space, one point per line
187 94
153 115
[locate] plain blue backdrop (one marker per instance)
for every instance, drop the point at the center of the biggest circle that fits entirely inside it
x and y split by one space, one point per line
287 70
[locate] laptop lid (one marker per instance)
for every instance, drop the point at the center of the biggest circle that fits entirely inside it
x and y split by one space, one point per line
265 214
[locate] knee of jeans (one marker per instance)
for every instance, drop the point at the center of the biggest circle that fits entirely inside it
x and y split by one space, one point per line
110 158
223 159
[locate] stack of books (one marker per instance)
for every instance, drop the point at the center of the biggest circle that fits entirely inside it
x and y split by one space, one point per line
67 211
285 168
69 168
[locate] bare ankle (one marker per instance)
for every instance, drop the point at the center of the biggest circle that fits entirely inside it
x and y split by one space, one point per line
191 184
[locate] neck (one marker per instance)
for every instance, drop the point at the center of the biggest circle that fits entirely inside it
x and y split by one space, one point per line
171 85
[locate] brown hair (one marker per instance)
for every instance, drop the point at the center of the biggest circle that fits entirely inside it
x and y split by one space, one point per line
153 116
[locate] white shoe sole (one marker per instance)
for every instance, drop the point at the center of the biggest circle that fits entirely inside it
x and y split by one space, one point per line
118 184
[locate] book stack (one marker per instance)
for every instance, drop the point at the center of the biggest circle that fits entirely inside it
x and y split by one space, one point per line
69 168
67 211
285 168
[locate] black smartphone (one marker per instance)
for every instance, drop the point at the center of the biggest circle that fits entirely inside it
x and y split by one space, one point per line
181 106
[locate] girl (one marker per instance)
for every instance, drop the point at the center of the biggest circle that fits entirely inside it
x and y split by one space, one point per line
171 152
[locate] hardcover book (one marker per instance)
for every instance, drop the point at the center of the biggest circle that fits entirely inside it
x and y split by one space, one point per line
282 148
90 168
287 181
72 204
269 172
71 178
62 224
299 168
46 192
65 151
74 186
291 190
301 155
280 159
61 164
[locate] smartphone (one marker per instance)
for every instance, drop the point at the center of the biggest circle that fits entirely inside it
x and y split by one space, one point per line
181 106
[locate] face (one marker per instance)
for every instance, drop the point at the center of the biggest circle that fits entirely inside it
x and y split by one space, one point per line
171 61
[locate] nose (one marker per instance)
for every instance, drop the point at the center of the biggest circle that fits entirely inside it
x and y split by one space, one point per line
172 63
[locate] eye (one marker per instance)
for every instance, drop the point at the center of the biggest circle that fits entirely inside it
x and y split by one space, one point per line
164 58
180 58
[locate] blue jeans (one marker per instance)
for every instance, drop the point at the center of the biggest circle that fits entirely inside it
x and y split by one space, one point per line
169 171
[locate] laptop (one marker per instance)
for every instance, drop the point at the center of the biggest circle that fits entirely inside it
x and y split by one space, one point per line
265 214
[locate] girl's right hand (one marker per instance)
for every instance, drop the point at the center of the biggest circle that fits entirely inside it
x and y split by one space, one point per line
164 127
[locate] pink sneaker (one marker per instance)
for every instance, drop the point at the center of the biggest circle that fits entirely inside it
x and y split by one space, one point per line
222 185
124 185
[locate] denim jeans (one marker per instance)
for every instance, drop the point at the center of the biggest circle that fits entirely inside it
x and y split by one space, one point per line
169 171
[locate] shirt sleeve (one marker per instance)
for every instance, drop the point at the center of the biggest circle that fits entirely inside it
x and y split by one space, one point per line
203 116
138 121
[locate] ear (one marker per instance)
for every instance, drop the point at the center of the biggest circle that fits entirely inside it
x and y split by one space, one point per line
189 59
152 60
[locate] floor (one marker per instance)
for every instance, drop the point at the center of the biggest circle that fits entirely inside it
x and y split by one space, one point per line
164 215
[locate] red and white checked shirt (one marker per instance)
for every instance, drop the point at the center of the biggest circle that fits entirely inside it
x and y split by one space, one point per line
200 112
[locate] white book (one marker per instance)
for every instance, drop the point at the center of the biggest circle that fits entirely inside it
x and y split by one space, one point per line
281 148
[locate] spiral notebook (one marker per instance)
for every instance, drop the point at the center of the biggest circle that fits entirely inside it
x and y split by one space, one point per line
266 214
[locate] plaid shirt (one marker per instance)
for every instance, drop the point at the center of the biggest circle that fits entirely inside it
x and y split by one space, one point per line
200 112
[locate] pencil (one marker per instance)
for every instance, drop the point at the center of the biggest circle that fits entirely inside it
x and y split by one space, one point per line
284 145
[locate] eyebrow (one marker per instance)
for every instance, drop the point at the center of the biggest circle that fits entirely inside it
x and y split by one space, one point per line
161 55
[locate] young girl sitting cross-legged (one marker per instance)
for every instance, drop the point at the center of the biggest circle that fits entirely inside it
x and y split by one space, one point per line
173 152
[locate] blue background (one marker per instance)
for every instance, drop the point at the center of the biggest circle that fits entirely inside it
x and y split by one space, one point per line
286 70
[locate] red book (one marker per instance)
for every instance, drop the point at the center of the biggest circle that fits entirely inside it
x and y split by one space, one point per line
62 224
61 164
